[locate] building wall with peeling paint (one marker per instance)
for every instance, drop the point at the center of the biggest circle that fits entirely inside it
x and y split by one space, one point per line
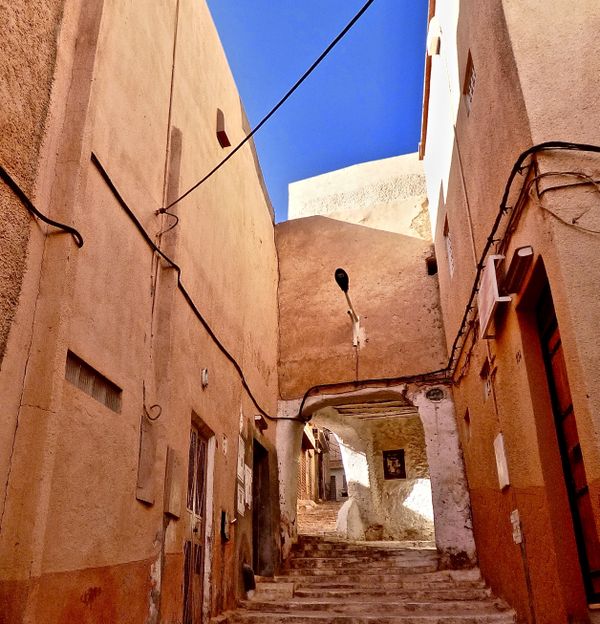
94 490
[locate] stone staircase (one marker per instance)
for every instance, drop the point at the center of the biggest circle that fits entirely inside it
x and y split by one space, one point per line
328 580
318 518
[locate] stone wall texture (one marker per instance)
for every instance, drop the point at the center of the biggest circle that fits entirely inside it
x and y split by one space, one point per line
25 88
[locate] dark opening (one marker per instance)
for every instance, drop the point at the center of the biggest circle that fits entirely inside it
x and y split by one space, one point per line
262 555
431 263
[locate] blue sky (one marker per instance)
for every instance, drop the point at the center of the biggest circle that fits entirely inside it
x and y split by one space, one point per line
362 103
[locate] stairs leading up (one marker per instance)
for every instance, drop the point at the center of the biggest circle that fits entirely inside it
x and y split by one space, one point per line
328 580
318 518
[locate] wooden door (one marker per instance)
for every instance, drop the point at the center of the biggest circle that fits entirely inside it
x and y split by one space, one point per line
570 448
195 520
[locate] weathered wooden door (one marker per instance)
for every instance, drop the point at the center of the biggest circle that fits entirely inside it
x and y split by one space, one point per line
195 519
570 448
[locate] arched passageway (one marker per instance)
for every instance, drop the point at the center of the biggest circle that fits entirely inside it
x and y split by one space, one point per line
385 463
373 426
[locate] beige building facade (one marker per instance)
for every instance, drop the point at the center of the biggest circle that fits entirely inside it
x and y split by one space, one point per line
132 380
382 398
509 152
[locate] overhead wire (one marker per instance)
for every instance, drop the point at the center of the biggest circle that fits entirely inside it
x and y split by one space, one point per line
277 106
181 287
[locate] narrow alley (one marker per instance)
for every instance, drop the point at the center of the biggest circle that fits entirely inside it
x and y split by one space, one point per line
381 407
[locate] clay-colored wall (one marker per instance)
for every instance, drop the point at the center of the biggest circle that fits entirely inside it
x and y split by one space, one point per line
25 87
127 319
525 77
390 290
377 230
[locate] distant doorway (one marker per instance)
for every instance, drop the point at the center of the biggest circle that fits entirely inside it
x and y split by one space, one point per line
195 520
570 449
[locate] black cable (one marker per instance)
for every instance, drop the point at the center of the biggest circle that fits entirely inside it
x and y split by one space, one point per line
517 167
20 193
442 375
275 108
181 287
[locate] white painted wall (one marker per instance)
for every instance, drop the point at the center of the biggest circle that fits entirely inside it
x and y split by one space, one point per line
444 100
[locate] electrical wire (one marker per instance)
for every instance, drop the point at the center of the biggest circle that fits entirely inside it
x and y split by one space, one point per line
188 298
503 209
21 195
277 106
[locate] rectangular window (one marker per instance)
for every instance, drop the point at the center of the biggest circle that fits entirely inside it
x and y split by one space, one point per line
93 383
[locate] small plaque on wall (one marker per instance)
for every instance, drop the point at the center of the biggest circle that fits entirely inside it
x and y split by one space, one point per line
393 464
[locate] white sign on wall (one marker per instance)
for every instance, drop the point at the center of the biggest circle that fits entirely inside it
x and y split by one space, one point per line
501 463
488 296
241 459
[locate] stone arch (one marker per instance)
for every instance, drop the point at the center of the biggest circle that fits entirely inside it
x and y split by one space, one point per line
391 508
434 406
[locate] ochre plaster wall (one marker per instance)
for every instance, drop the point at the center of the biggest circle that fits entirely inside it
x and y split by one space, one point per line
25 88
113 305
26 82
519 61
391 292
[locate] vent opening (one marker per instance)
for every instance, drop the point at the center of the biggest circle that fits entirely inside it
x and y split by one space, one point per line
93 383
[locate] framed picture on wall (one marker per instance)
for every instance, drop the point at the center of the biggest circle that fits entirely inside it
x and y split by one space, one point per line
393 464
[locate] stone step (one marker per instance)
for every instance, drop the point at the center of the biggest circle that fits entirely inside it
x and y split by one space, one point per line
263 617
366 579
371 576
377 606
333 581
392 579
359 562
375 547
373 551
350 592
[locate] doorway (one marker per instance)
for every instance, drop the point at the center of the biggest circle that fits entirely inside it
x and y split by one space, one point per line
262 530
195 528
586 535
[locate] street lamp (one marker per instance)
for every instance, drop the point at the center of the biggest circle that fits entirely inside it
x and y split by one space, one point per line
343 281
